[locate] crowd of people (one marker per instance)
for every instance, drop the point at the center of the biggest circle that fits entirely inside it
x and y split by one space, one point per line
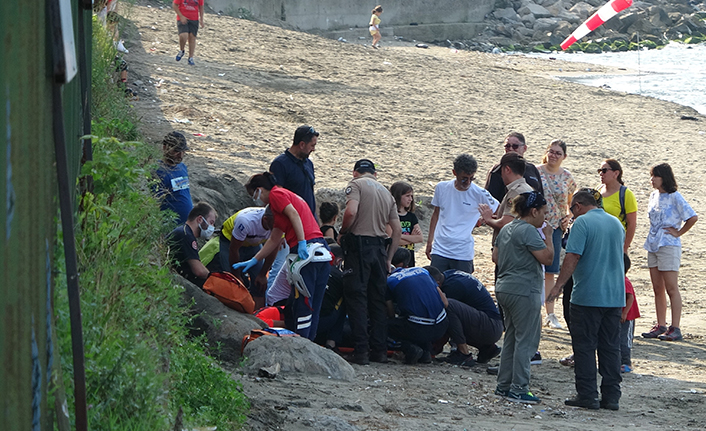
357 287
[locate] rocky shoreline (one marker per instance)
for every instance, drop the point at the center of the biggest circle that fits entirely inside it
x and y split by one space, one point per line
541 25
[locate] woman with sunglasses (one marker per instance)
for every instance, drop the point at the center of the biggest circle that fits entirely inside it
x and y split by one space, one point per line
670 217
519 254
611 174
559 186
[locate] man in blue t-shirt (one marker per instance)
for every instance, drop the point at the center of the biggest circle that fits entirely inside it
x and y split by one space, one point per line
173 187
294 170
474 319
594 255
422 312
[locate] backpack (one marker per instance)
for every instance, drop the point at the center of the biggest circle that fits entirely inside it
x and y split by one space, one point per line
230 291
621 197
274 332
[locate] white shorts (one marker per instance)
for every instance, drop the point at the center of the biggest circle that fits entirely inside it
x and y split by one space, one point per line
667 258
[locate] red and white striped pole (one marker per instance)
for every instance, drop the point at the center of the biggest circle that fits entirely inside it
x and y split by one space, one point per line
606 12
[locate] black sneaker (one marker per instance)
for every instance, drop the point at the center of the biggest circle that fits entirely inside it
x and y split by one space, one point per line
608 405
412 354
426 357
493 371
526 398
379 357
457 358
536 359
586 403
486 355
360 358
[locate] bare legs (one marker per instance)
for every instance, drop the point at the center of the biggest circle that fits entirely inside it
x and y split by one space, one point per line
548 286
376 38
182 40
665 283
192 44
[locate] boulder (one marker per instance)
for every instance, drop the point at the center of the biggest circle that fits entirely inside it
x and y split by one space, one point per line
658 17
545 25
528 20
556 8
503 30
582 9
507 14
596 3
224 193
569 17
295 355
223 326
535 9
561 32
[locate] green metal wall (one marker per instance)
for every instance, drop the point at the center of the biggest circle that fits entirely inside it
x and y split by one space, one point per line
28 208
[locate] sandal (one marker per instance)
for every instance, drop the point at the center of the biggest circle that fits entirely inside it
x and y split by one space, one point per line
567 361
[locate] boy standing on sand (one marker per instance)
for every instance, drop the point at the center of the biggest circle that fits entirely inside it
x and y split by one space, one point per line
189 17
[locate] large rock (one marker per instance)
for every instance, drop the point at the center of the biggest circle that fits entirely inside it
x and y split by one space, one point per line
295 355
569 17
507 14
528 20
561 31
545 25
223 326
658 17
224 193
535 9
582 9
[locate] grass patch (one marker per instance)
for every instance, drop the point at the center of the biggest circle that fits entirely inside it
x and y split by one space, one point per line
140 366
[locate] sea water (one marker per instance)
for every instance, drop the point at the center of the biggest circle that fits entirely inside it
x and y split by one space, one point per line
676 73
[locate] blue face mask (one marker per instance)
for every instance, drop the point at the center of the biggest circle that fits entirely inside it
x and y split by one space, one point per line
208 231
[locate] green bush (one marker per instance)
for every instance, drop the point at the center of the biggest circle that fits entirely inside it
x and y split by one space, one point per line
141 367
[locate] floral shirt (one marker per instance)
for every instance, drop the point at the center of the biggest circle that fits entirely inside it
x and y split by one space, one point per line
666 210
558 188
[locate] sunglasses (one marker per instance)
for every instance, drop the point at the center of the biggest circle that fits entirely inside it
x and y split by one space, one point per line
603 170
513 146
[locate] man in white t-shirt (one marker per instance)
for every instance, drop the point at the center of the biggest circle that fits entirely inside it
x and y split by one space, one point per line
450 243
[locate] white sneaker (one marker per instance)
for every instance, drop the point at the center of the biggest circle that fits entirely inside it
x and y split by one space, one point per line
552 322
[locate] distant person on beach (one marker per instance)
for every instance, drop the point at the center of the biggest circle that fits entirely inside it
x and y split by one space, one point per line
670 218
456 211
411 232
189 18
199 224
519 253
514 142
375 26
594 256
173 188
328 214
618 200
559 186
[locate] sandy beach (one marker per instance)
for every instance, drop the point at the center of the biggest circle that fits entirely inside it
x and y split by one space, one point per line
412 111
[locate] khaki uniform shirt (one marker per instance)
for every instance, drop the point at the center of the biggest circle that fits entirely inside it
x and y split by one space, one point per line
376 206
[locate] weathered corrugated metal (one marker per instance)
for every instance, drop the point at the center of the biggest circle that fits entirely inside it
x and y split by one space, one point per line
28 208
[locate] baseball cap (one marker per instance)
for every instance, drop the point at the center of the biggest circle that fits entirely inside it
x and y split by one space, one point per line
364 165
175 140
304 133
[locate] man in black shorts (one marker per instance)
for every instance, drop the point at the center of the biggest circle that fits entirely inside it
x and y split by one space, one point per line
189 17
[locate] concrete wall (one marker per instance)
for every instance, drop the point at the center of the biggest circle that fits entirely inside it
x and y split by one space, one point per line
344 14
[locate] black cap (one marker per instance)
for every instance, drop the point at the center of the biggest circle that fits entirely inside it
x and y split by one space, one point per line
364 165
175 140
304 133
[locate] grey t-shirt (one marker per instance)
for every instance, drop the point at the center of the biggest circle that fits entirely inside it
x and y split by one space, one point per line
519 272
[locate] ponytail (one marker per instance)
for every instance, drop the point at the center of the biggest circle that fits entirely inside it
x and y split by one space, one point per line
377 8
266 180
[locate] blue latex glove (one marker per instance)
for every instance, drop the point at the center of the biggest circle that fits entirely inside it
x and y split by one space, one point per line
246 265
302 251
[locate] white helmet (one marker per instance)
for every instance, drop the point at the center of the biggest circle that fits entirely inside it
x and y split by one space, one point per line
317 253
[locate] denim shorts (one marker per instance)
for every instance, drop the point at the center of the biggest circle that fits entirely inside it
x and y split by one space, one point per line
556 240
191 26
